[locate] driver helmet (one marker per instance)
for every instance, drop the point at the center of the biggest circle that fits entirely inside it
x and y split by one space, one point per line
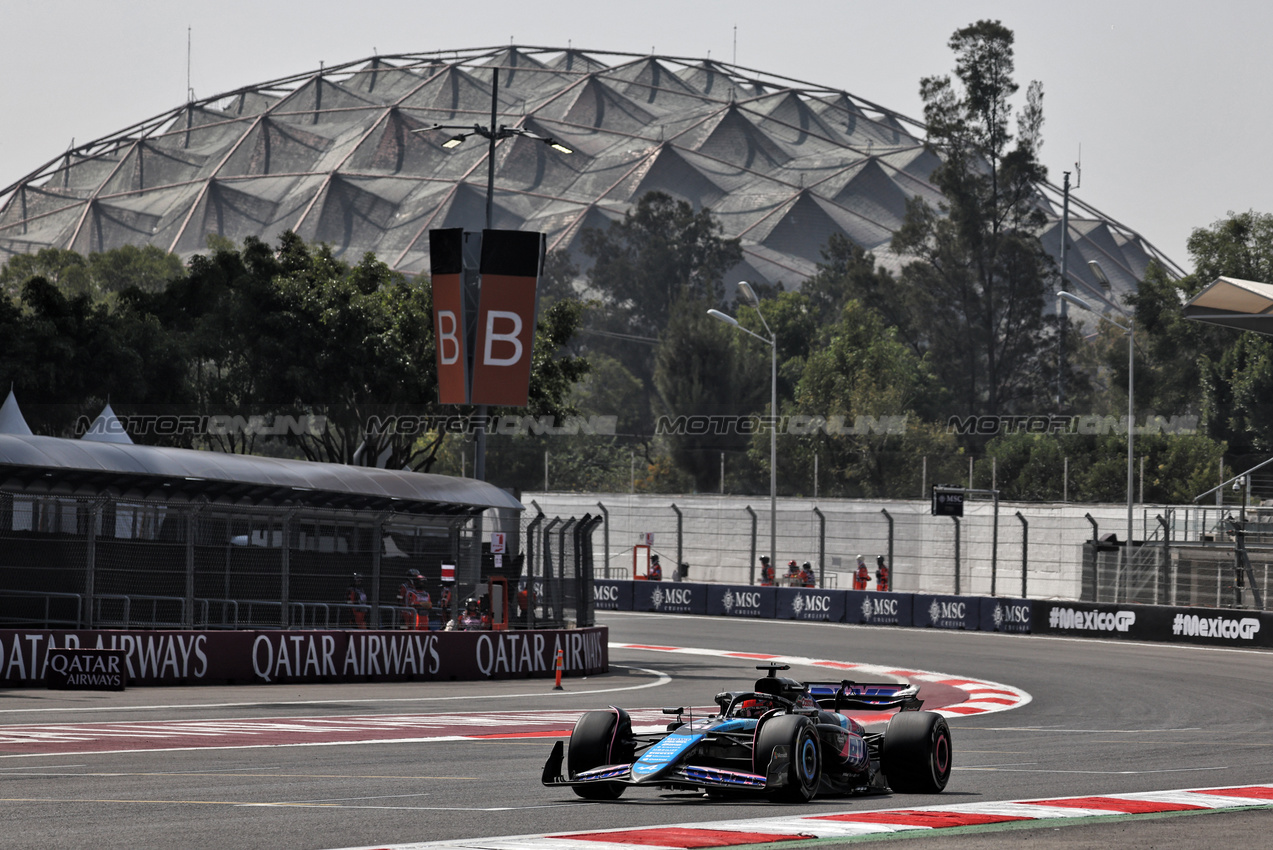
750 708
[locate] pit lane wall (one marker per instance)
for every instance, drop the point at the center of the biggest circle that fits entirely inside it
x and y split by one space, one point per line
1205 626
289 657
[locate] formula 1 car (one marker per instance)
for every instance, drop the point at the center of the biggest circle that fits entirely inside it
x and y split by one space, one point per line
783 740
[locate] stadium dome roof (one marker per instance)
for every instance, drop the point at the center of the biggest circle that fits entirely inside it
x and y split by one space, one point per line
332 154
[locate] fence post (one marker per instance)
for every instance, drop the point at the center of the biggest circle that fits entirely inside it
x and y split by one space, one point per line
680 520
1096 559
1025 552
90 562
892 567
377 547
531 528
605 535
1161 580
187 615
751 565
822 547
994 549
956 519
285 571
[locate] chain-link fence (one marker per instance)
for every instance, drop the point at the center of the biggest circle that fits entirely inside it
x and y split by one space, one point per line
1036 550
134 563
555 583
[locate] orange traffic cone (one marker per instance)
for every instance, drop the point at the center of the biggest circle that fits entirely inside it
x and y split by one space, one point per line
561 661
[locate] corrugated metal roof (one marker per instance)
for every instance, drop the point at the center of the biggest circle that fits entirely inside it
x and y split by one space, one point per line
54 463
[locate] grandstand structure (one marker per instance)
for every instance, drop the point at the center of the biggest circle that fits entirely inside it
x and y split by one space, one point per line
345 155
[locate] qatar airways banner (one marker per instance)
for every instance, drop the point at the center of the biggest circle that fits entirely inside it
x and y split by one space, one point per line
246 657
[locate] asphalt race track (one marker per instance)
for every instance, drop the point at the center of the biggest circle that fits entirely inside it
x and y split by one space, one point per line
337 766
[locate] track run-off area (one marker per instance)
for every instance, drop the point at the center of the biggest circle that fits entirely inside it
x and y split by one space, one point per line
1054 738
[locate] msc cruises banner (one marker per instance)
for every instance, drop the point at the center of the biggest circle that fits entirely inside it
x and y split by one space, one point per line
741 600
809 603
669 597
246 657
870 608
946 612
610 595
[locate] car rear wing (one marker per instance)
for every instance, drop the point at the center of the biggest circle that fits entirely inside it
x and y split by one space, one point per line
866 696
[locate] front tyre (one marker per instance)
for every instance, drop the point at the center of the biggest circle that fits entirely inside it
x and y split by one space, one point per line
804 768
598 739
917 755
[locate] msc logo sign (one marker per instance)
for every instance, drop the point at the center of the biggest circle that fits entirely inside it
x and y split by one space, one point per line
879 609
947 612
811 605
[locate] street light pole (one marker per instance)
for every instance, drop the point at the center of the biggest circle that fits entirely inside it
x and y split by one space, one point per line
492 134
1130 330
750 296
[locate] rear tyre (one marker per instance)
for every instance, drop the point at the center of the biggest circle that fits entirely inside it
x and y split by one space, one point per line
917 755
804 771
600 738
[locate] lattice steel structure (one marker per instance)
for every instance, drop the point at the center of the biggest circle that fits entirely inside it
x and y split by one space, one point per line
332 155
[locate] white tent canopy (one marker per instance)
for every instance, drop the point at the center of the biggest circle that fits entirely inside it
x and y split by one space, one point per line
11 419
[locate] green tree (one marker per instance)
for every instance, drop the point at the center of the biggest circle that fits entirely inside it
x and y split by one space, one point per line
256 330
976 288
660 254
1191 367
703 374
865 385
97 276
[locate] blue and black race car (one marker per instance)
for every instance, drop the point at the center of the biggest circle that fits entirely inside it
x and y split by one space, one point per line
784 740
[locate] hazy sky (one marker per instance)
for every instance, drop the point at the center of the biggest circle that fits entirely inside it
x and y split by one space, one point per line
1167 100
